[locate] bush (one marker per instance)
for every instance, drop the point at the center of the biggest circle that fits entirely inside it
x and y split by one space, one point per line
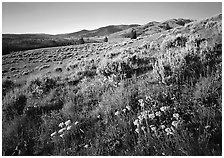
105 39
133 34
13 104
7 85
81 41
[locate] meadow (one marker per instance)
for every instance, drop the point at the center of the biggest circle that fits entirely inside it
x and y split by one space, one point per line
157 95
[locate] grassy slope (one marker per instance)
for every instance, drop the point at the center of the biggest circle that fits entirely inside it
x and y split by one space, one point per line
19 42
97 80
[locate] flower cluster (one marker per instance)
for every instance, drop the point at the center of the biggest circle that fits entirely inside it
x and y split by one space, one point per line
124 110
157 119
64 127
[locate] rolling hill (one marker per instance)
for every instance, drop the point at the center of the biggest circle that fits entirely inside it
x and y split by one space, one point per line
157 95
20 42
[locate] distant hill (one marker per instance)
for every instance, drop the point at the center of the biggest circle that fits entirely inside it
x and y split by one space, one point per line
20 42
153 27
103 31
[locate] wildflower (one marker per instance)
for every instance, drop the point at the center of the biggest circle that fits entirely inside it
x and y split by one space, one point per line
76 122
153 128
144 114
151 116
53 134
81 130
68 122
143 128
61 124
69 127
124 110
116 113
137 130
158 113
176 115
136 122
164 108
168 131
175 123
140 117
142 104
163 126
86 146
128 107
62 135
62 130
140 101
148 98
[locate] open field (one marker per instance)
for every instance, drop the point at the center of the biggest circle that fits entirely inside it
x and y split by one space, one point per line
157 95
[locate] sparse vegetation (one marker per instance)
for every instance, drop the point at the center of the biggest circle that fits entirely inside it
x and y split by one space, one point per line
159 96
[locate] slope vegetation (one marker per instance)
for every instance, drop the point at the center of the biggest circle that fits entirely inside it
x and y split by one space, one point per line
157 95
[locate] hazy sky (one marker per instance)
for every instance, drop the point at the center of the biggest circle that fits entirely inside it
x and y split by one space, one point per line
59 17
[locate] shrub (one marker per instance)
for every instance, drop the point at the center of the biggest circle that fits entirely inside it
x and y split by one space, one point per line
174 41
81 41
13 104
7 85
105 39
133 34
58 69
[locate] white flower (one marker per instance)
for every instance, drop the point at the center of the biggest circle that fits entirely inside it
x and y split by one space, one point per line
61 124
158 113
61 135
81 130
53 134
142 104
153 128
62 130
168 131
137 130
176 115
116 113
140 101
86 146
151 116
136 122
68 122
76 122
128 107
140 117
164 108
144 114
143 128
124 110
162 126
175 123
148 98
69 127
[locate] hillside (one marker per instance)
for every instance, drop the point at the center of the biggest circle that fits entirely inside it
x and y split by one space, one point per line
20 42
103 31
157 95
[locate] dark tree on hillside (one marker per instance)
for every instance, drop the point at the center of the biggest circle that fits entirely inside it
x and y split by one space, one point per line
105 39
81 40
133 34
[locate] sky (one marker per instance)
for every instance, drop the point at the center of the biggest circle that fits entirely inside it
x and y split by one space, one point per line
67 17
